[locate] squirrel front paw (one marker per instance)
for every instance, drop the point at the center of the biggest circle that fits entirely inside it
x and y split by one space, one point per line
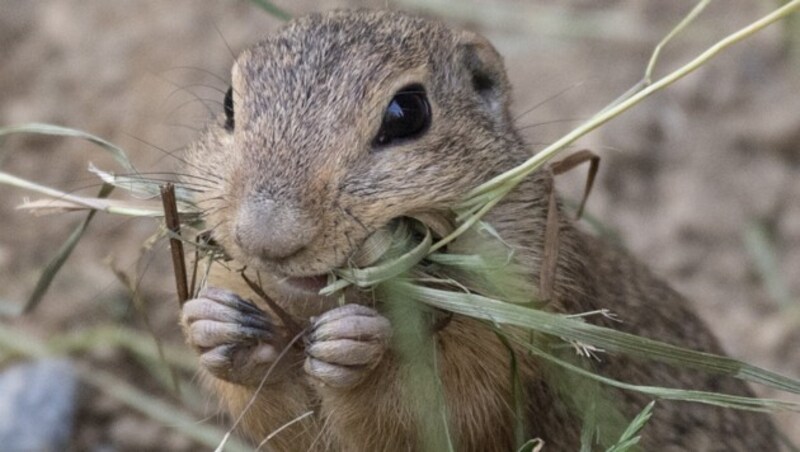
236 340
345 344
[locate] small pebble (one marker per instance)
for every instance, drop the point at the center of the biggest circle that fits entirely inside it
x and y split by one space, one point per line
38 402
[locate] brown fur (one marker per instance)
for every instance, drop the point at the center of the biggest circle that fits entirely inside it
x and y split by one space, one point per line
308 101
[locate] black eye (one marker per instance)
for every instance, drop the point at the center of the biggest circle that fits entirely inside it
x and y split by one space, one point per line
407 116
228 106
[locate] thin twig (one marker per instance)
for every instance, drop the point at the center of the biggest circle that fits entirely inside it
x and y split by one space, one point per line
173 223
292 327
204 238
547 274
572 161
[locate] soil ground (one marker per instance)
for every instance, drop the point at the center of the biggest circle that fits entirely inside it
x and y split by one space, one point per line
689 181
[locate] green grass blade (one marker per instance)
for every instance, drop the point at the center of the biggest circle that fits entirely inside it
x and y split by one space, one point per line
534 445
518 404
136 185
684 395
364 277
571 329
489 269
631 436
648 73
272 9
70 201
49 129
421 386
698 8
51 269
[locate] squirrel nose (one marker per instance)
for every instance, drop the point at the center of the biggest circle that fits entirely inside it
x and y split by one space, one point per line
268 229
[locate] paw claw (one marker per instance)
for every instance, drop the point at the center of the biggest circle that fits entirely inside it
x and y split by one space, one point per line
236 340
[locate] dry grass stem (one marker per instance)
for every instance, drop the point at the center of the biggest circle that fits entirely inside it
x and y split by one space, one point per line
173 223
292 327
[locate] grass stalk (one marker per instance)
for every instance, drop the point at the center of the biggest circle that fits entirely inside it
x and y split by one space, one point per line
502 184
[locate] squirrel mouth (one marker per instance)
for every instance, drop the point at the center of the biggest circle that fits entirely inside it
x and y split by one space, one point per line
310 284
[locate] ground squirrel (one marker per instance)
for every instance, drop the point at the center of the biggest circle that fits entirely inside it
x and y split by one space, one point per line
333 127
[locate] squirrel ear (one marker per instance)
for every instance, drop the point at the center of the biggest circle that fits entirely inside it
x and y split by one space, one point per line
488 75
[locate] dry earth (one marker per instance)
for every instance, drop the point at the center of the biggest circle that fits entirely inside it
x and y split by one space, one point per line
684 177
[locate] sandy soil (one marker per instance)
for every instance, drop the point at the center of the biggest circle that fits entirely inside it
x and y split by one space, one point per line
684 176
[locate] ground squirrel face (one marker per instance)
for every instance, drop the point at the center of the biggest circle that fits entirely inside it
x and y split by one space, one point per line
340 123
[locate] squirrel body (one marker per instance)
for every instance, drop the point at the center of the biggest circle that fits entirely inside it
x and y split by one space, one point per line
296 180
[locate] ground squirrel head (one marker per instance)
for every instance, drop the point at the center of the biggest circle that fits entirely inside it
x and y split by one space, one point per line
341 122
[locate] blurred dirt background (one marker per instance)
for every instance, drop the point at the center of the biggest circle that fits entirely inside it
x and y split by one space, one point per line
701 182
